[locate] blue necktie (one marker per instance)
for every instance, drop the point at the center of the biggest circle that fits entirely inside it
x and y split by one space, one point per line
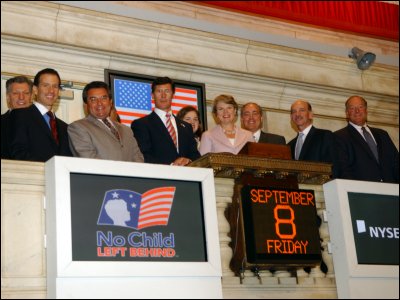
299 145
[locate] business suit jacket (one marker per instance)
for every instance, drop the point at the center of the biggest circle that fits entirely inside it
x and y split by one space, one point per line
271 138
5 152
318 146
90 138
157 145
357 162
30 137
215 140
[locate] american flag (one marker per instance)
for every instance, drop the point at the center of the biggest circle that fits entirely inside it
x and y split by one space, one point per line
156 207
133 99
130 209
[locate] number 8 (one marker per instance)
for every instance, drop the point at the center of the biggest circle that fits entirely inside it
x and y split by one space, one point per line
284 221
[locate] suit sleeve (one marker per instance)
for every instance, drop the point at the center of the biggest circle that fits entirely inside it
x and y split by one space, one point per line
19 136
392 155
193 151
142 135
330 152
344 158
80 141
137 154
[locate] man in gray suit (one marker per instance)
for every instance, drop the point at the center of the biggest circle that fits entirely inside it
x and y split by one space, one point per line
251 117
97 136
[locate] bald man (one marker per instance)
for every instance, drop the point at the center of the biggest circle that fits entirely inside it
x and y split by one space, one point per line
311 143
357 159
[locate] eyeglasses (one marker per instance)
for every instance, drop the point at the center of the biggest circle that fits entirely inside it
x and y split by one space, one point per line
96 99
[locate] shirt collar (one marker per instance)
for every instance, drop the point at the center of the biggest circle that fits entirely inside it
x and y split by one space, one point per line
257 135
43 109
306 131
162 113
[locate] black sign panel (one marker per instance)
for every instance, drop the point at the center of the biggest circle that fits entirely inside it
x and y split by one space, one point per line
375 221
280 226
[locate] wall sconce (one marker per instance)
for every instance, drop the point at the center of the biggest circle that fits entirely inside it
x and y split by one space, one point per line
364 59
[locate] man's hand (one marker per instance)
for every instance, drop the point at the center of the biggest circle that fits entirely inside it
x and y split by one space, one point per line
181 161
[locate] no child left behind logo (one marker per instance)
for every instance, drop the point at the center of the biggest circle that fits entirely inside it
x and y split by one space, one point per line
130 209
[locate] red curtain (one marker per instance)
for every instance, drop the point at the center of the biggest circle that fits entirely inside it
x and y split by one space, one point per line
370 18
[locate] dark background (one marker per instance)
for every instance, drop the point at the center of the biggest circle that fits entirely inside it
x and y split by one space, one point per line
186 219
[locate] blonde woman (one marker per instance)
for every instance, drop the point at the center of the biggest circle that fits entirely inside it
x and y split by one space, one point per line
226 136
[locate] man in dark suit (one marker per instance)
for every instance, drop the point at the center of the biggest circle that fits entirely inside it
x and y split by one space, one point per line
251 117
311 143
162 138
365 153
18 95
35 134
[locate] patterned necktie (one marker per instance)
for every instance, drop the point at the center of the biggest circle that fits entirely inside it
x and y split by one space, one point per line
171 128
299 144
370 142
112 128
53 126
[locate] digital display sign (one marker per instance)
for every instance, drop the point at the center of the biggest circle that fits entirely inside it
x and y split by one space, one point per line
280 226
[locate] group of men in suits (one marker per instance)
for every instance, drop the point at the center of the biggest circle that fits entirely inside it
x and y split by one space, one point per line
346 149
30 132
354 154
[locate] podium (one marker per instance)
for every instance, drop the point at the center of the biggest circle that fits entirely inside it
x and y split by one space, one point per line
264 175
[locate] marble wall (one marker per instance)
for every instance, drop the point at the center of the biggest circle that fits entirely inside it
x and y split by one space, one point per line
81 43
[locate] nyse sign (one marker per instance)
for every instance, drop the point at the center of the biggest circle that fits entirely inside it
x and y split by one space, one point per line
280 226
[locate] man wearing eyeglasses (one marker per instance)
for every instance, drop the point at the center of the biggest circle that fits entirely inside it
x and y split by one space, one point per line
365 153
252 120
36 134
97 135
162 138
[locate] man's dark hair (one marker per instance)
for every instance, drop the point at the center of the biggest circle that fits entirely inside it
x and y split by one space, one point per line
95 85
18 79
160 81
251 103
36 81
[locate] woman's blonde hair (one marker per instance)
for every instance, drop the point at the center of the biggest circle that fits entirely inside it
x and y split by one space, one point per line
227 99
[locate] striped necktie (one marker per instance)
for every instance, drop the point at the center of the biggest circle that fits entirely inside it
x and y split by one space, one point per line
171 129
112 128
53 126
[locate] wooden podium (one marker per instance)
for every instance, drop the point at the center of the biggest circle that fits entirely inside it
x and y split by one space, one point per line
266 166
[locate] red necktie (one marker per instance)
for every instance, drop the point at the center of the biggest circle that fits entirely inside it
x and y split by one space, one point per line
53 126
171 128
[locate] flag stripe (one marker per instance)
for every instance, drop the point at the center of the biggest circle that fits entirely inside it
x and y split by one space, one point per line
150 210
156 203
148 224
